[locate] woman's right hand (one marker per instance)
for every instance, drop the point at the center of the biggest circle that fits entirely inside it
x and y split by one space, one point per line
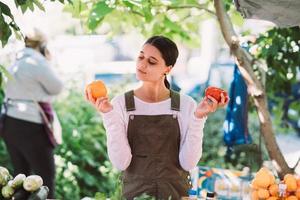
102 104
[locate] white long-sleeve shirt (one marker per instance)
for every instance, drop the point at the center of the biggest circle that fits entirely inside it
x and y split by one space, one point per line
33 79
191 129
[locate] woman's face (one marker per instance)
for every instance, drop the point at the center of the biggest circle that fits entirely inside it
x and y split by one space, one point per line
150 66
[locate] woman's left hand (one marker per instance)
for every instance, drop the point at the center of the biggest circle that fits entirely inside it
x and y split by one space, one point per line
210 105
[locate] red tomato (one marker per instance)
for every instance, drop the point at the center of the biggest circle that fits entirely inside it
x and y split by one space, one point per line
216 93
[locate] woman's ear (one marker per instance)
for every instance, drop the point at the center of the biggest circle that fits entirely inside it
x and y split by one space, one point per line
169 68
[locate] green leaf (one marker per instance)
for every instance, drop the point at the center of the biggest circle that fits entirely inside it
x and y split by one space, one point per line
5 31
133 3
184 2
5 72
237 19
192 2
6 10
14 26
128 4
20 2
147 11
30 5
23 8
172 25
18 34
100 196
39 4
77 9
97 14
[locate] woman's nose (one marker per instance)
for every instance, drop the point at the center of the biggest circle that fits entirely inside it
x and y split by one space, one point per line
141 64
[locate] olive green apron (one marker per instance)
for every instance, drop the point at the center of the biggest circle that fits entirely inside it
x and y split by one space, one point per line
154 142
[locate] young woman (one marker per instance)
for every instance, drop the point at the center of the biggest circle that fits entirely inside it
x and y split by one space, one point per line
154 135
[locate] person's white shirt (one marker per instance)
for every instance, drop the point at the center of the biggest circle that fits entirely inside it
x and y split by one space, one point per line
33 79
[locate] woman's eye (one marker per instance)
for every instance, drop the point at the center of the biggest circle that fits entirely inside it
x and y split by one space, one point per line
151 63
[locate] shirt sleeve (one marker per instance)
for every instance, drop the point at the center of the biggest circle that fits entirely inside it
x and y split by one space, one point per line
191 148
118 148
49 80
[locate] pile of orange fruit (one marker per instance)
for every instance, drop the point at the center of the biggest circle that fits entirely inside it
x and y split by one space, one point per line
265 187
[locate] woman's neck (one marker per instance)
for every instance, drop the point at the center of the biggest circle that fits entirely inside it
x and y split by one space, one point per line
152 93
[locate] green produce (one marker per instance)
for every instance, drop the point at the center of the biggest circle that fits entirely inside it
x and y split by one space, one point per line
20 194
17 182
3 170
32 183
7 191
40 194
21 2
4 176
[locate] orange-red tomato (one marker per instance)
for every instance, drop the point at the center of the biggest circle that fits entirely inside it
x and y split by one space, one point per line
216 93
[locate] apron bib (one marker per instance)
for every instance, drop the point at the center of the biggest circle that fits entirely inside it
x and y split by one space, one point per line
154 142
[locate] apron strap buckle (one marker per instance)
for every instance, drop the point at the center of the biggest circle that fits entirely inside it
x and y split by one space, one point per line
131 117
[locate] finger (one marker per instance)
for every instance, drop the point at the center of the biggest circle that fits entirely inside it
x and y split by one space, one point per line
227 100
98 103
205 102
90 97
222 99
212 99
214 105
104 101
101 101
209 102
105 98
223 104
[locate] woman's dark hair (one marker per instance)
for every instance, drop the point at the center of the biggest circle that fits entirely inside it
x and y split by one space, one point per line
43 49
168 50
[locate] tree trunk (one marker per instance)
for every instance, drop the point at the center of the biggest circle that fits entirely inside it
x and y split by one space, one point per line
255 88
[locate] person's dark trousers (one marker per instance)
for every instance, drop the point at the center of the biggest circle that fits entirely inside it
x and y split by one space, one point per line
30 150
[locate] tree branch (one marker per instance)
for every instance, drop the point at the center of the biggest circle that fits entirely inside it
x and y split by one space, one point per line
255 88
244 59
137 13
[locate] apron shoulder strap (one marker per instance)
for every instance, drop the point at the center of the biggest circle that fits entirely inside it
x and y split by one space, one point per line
175 100
129 101
130 106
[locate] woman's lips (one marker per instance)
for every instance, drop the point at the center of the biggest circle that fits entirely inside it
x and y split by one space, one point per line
141 72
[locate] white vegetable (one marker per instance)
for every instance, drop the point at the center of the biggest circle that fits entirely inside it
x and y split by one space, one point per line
32 183
18 181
